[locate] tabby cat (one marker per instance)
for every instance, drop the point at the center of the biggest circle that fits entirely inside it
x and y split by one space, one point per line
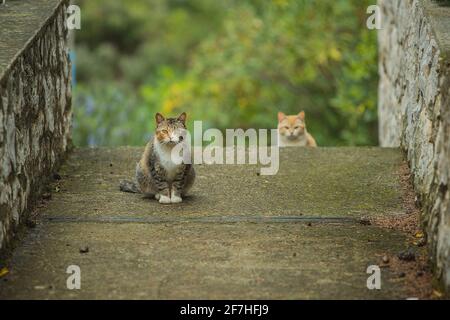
157 175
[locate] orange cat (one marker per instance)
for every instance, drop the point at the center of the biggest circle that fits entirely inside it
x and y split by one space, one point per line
292 131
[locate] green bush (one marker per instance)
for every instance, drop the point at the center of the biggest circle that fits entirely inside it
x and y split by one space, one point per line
230 64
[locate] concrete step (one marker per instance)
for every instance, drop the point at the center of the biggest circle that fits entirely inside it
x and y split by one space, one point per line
329 182
295 235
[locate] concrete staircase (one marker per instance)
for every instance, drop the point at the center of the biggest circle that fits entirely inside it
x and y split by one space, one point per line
308 232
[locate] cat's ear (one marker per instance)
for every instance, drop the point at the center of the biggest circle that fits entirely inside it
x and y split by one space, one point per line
182 117
281 116
301 115
159 118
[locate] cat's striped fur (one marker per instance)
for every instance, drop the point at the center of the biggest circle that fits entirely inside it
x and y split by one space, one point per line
156 174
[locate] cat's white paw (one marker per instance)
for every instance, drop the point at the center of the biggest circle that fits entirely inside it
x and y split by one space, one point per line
176 199
157 196
164 199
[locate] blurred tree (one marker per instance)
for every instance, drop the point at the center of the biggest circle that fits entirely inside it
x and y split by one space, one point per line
230 64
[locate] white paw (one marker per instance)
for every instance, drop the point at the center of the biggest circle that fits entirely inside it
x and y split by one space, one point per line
164 199
157 196
176 199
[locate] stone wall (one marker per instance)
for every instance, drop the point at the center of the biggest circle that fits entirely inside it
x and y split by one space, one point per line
414 109
35 104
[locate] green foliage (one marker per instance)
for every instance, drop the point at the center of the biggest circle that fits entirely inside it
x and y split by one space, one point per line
231 64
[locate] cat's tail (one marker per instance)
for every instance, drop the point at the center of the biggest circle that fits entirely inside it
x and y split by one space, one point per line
129 186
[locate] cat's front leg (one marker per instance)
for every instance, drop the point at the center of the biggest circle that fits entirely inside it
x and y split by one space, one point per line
164 196
160 184
175 196
179 184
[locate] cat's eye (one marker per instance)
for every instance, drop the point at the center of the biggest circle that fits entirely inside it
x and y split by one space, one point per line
286 128
164 131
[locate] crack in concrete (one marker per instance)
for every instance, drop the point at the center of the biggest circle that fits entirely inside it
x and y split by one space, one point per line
210 219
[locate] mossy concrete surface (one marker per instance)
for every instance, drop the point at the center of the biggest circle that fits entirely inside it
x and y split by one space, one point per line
438 14
329 182
20 21
239 235
203 261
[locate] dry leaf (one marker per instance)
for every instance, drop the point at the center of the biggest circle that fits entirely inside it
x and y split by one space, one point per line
437 294
3 272
419 235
